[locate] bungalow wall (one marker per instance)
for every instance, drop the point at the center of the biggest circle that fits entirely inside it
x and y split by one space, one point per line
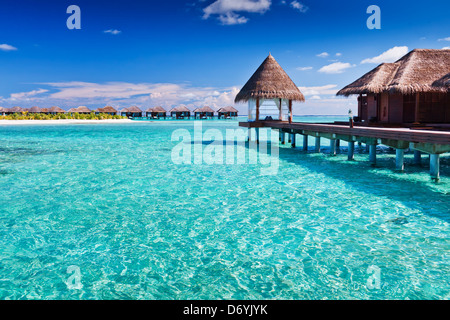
395 108
372 113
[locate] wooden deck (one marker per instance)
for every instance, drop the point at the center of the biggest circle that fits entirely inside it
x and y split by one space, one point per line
356 133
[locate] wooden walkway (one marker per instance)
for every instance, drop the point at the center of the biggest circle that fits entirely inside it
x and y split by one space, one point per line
427 141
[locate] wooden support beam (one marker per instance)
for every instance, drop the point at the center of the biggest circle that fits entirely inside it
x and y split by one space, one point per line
283 137
417 157
373 154
257 135
333 147
293 140
434 166
290 111
351 150
399 159
257 109
305 142
317 146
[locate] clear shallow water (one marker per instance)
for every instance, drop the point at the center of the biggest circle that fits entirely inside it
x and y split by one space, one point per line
109 200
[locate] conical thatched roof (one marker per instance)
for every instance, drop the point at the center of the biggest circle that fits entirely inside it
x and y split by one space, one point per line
180 109
156 109
204 109
56 109
107 109
269 81
3 109
227 109
133 109
35 110
418 71
16 109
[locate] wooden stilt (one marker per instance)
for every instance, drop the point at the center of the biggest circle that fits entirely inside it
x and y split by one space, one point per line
417 157
293 140
434 166
317 146
351 150
373 154
399 159
305 142
333 147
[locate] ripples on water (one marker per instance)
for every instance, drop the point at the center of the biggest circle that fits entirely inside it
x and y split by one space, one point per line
108 199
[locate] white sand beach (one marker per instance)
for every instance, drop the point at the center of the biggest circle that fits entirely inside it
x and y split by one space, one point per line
61 121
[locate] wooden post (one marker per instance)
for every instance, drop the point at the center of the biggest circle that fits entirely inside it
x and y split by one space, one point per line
399 159
293 140
434 166
290 111
333 147
257 109
417 157
249 134
283 137
373 154
417 111
280 134
281 110
317 147
305 142
257 135
338 145
351 150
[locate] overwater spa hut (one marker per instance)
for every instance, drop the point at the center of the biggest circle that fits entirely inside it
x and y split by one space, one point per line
156 113
227 113
412 90
203 113
269 93
108 110
131 112
180 112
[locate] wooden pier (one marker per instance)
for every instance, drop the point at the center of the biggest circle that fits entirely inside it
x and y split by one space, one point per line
432 142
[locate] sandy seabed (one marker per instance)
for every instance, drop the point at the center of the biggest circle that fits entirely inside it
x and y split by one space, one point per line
61 121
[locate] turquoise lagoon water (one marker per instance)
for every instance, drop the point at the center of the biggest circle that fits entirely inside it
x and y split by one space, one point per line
108 199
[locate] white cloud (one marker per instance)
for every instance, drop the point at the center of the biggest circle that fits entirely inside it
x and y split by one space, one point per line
446 48
227 10
390 55
444 39
26 95
113 31
126 94
329 89
299 6
336 67
323 54
304 68
7 47
338 54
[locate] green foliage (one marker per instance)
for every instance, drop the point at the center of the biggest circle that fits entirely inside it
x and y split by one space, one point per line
43 116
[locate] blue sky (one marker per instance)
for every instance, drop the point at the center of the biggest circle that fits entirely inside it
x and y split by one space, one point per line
196 53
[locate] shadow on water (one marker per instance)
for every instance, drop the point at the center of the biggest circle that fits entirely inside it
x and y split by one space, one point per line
415 194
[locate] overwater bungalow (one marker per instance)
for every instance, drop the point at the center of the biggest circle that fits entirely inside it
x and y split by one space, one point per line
411 91
80 110
156 113
203 113
131 112
14 110
180 112
227 113
269 93
3 111
108 110
55 110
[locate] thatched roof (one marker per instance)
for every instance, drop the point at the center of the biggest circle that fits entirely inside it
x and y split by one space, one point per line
443 82
35 110
158 109
44 110
15 109
56 109
227 109
269 81
204 109
81 109
107 109
418 71
132 109
3 109
180 109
